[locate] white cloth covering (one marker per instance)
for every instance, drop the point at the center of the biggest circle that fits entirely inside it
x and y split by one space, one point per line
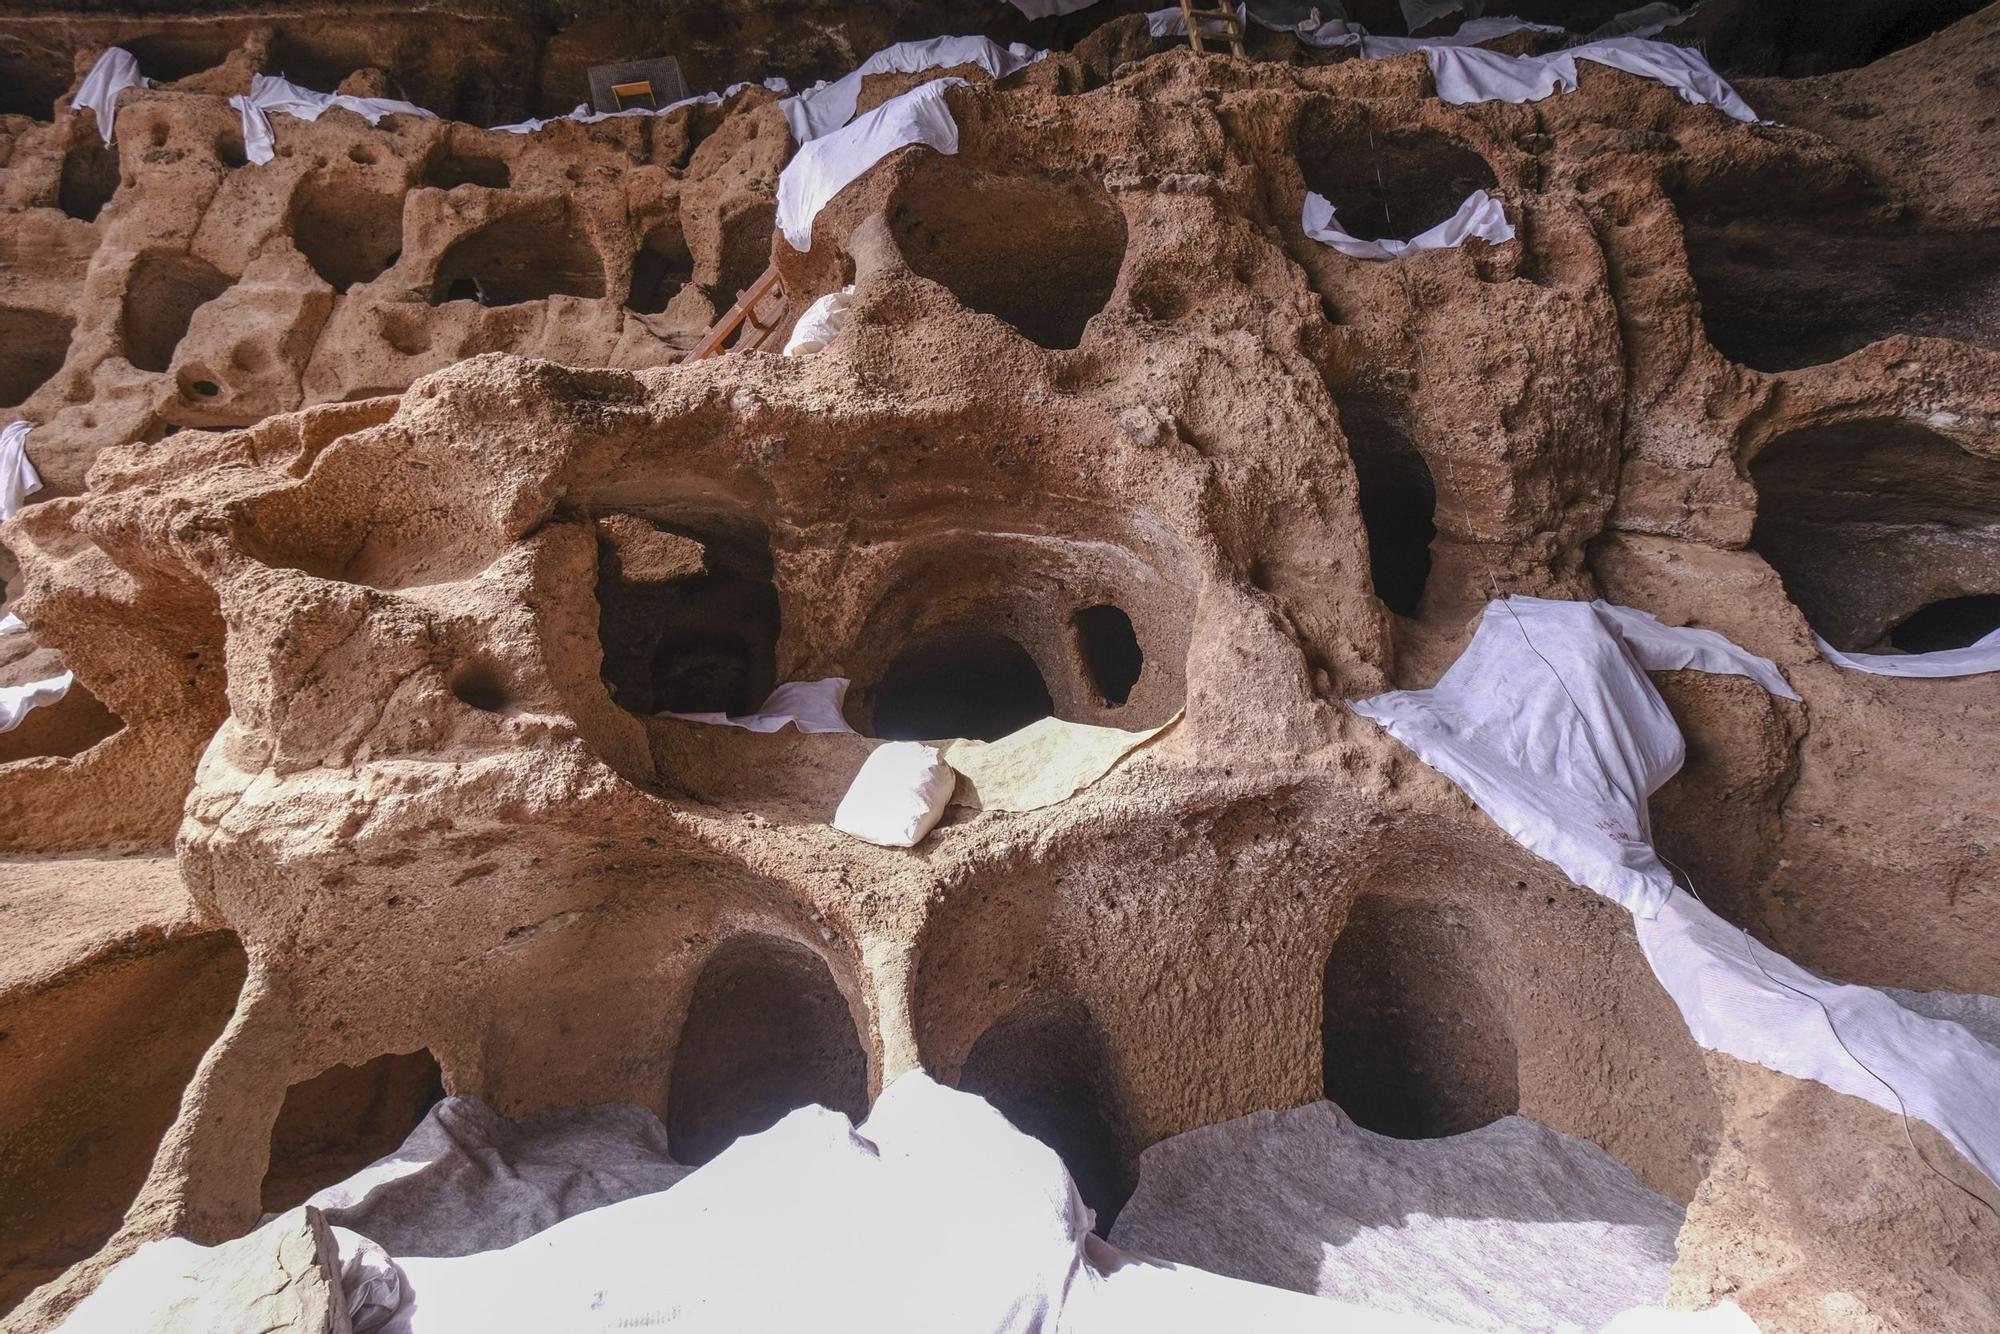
583 115
1681 68
821 323
826 166
18 478
1170 22
1645 21
1981 655
17 702
10 624
1548 723
810 706
1470 33
115 71
897 797
1467 74
1417 13
269 93
1480 217
825 107
1044 9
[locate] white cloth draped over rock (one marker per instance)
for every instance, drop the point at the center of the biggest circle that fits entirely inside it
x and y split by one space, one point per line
810 706
820 324
1645 21
934 1214
1471 33
825 107
583 115
115 71
1467 74
269 94
1045 9
1981 655
18 478
823 168
1549 724
17 702
1480 217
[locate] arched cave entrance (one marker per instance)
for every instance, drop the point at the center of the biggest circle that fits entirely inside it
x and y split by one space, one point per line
349 232
661 268
767 1031
1385 183
343 1119
165 290
960 683
1416 1034
1398 504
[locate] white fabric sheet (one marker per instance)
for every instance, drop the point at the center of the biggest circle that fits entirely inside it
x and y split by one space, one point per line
810 706
1044 9
825 107
17 702
18 478
1480 217
826 166
1982 655
583 115
1549 724
1681 68
115 71
1417 13
821 323
1568 782
1466 74
1645 21
270 94
10 624
1170 22
1470 33
897 797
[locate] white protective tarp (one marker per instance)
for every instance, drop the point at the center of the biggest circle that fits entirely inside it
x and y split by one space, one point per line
1645 21
1045 9
1549 724
1480 217
826 166
933 1216
583 115
1470 33
269 93
1465 74
1981 655
820 324
897 797
810 706
115 71
17 702
825 107
1681 68
18 478
1170 22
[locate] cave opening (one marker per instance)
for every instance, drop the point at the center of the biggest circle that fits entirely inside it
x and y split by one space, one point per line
1045 1065
960 683
1110 650
1398 500
165 291
1416 1034
348 232
526 256
767 1031
688 614
344 1118
37 344
661 268
1386 184
1040 254
89 176
1947 624
1880 529
449 170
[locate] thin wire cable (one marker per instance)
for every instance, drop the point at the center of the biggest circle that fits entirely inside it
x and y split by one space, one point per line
1749 942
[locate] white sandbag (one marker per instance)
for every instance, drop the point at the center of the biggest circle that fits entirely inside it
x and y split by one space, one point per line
1568 781
269 94
810 706
826 166
1171 22
897 797
1480 217
1645 21
1467 74
18 478
825 107
1512 1226
17 702
1549 724
583 115
116 70
1981 655
821 323
1681 68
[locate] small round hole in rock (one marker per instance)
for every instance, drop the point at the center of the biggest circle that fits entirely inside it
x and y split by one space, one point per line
1947 624
1110 649
206 388
478 684
970 684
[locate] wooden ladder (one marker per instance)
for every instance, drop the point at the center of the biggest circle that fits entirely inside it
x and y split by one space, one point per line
1226 26
753 309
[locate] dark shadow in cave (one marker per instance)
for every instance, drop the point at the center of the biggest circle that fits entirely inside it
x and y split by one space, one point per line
963 683
343 1119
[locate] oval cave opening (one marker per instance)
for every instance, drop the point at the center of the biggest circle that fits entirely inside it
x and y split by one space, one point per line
161 298
449 170
1398 499
767 1031
1041 254
1110 650
1417 1040
89 176
1386 184
527 256
1881 531
344 1118
1045 1065
966 683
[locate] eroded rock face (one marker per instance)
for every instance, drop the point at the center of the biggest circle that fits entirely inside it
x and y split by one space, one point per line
386 625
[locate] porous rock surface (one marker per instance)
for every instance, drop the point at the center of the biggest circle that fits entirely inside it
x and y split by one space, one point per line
379 592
